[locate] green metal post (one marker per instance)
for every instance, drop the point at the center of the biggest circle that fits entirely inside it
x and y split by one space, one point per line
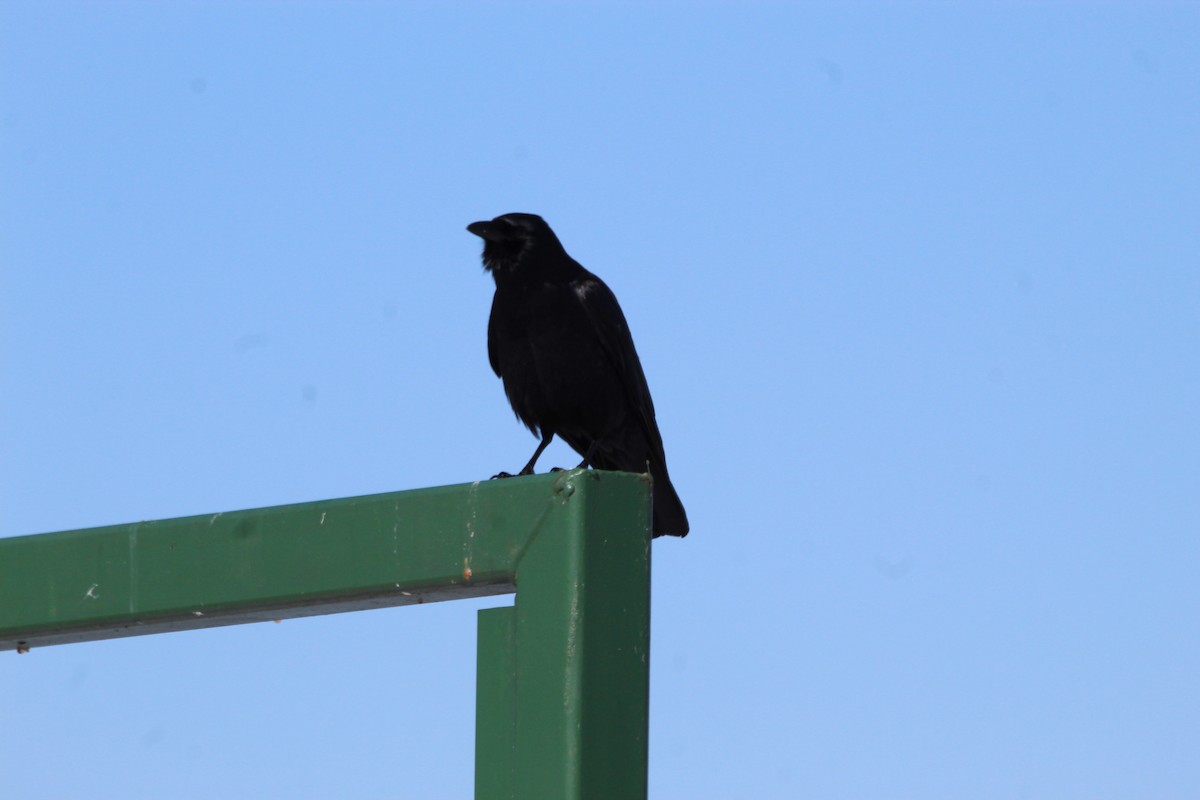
496 704
577 654
563 674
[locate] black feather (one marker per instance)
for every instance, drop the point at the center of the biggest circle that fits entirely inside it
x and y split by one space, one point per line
558 340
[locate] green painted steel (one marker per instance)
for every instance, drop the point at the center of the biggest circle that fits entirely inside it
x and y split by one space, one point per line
572 657
496 704
563 674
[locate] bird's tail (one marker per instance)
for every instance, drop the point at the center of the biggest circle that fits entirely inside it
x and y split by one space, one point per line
669 517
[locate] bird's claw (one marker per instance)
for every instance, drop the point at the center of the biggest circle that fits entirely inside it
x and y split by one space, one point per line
520 474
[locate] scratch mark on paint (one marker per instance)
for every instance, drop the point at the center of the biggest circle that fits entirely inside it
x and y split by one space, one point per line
396 533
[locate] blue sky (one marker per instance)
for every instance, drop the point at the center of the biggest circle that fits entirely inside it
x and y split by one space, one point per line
916 289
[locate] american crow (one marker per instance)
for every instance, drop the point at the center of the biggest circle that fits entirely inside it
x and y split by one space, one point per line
558 340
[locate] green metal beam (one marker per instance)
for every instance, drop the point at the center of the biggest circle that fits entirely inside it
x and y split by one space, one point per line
563 674
563 680
496 704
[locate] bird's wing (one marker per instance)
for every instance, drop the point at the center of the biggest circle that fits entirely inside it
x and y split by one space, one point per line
609 323
493 343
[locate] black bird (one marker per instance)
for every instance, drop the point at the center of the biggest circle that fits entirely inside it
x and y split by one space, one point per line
558 340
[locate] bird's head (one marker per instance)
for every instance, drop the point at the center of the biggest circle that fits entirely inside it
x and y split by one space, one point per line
513 241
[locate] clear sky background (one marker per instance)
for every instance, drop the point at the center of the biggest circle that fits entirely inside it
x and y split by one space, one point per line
916 287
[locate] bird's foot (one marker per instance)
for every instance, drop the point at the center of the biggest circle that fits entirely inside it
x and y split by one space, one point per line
520 474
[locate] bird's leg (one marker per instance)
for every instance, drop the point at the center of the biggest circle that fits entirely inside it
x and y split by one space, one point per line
587 459
547 437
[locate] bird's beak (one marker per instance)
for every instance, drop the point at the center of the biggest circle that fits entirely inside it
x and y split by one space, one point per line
487 230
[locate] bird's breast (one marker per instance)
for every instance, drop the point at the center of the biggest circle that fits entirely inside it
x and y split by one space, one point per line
550 358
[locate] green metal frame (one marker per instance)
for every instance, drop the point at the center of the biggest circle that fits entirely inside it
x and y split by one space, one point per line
563 674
